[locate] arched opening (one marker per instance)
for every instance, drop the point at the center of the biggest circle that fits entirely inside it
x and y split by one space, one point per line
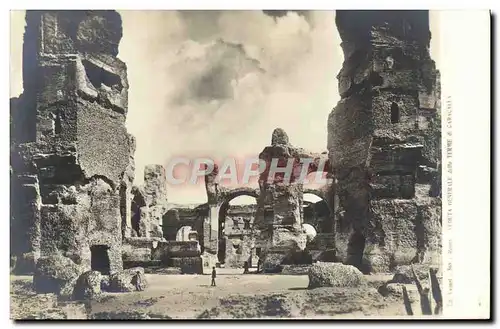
394 113
317 213
99 259
355 249
186 233
236 218
170 223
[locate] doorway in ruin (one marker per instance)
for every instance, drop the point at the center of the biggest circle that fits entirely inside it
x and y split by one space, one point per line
99 259
317 210
355 249
394 113
236 218
136 219
137 203
317 213
186 233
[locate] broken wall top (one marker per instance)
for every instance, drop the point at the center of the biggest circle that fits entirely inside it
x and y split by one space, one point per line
362 26
75 95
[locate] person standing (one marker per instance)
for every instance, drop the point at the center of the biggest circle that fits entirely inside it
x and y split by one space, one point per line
214 275
138 281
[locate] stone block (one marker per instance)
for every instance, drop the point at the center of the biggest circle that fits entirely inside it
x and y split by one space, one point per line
334 275
184 249
188 265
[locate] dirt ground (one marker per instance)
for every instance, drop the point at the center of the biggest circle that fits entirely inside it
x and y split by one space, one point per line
242 296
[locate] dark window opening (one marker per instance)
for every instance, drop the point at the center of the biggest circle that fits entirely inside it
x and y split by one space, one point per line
193 236
247 224
123 206
136 219
394 113
99 76
57 123
99 260
258 251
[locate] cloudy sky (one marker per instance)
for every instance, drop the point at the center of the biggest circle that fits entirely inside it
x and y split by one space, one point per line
217 83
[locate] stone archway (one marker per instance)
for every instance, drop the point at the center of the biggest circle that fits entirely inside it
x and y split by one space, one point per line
316 212
185 233
239 227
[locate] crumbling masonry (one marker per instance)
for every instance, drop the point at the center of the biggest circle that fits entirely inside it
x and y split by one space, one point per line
72 161
384 141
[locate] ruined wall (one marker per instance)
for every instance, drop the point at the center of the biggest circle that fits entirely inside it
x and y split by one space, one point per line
177 217
382 135
149 203
72 149
241 238
318 215
213 241
280 211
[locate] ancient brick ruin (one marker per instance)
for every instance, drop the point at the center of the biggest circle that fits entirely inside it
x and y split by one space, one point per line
384 141
280 214
72 161
67 182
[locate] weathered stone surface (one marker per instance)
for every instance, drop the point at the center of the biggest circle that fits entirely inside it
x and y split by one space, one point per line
126 280
380 132
142 249
429 230
150 266
393 226
295 269
88 286
209 260
183 249
288 238
126 191
155 185
75 150
334 275
279 137
273 260
135 254
149 203
239 249
188 265
56 274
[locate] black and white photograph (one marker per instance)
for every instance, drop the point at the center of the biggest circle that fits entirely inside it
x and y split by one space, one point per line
241 164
